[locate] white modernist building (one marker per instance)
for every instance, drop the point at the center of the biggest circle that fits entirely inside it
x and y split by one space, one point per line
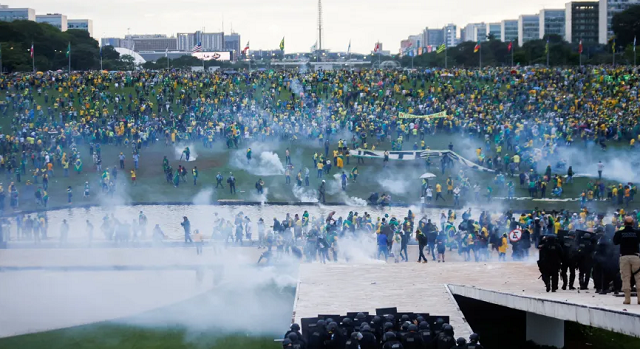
509 30
9 14
81 24
528 28
608 8
552 22
55 19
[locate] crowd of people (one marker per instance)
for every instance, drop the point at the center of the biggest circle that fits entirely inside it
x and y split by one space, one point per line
521 115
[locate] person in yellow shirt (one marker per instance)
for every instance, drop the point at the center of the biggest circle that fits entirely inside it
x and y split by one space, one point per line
133 177
502 249
320 167
439 192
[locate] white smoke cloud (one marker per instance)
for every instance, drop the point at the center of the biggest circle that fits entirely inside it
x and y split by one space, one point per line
179 149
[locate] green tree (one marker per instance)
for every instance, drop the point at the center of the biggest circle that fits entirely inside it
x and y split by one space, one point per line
626 25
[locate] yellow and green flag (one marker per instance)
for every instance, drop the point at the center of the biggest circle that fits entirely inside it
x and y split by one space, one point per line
282 44
441 48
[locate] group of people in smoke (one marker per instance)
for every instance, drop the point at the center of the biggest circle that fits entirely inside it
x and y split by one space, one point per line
522 115
381 332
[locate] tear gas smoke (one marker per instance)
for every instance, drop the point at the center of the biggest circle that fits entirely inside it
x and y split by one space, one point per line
178 151
264 164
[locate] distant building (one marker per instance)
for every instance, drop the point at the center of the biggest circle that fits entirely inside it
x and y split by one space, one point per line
149 42
509 30
115 42
581 22
81 24
552 22
209 41
432 37
528 28
606 10
55 19
232 43
450 32
10 14
475 32
494 29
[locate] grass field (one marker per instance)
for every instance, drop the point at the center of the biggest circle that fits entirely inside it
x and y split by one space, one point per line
197 323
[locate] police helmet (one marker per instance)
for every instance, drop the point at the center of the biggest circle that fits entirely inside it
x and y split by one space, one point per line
332 326
389 336
474 337
413 328
461 341
295 327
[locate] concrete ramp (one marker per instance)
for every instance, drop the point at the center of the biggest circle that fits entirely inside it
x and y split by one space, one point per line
590 309
341 288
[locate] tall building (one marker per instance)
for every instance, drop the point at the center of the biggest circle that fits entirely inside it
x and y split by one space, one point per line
148 42
209 41
552 22
607 9
581 22
433 37
81 24
55 19
10 14
475 32
232 43
528 28
450 32
509 30
494 29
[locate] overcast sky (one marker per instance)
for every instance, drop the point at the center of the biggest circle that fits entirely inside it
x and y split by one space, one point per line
265 22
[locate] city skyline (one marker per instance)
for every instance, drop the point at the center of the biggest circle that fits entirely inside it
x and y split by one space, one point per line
265 23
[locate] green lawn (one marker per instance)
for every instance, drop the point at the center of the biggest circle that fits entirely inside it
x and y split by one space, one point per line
196 323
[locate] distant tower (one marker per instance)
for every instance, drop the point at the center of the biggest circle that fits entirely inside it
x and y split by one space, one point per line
320 25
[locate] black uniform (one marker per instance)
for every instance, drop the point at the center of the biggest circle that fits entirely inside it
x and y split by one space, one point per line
425 334
569 260
368 340
550 262
585 258
445 338
353 341
318 336
412 339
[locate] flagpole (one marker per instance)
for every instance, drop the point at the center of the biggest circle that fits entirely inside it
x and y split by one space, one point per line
445 57
69 48
33 58
512 54
480 55
634 52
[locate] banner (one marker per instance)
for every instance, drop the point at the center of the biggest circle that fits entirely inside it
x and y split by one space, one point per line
442 114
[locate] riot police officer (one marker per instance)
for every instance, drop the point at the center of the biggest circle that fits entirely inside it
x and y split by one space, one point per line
585 258
445 338
569 259
354 341
425 333
368 340
549 262
412 339
391 341
318 336
473 342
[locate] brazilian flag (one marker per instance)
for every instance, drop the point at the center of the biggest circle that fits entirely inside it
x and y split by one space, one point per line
282 44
